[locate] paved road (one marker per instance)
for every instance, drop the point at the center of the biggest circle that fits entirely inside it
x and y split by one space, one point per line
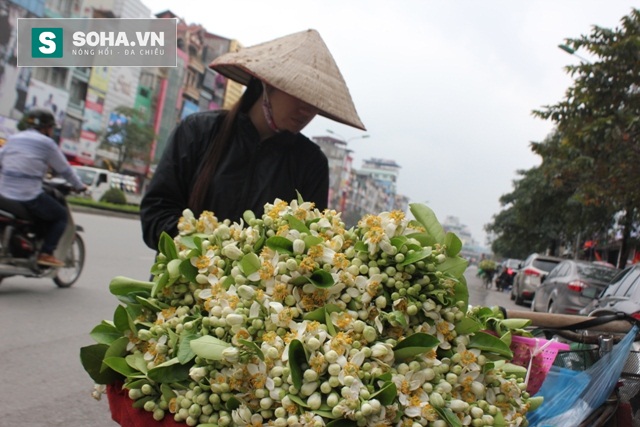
42 383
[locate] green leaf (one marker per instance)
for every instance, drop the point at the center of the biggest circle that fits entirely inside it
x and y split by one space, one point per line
454 266
429 221
387 376
188 270
255 348
453 244
130 385
360 246
185 352
296 224
297 362
105 333
324 413
319 314
487 342
517 370
448 415
515 323
298 401
467 326
250 263
139 403
387 394
137 362
280 244
209 347
319 278
416 256
398 241
414 345
498 418
160 284
118 348
169 372
121 285
167 392
91 358
342 423
121 319
424 239
233 403
152 304
310 241
167 246
461 291
120 365
193 241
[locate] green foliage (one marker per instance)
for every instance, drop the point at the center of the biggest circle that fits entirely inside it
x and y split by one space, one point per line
115 196
137 136
90 203
589 164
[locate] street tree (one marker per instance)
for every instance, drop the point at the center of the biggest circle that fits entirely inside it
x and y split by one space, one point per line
599 120
542 213
130 136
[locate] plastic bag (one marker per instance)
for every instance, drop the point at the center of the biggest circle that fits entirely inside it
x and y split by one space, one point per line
571 396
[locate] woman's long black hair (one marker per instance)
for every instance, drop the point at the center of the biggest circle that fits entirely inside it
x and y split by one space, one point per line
218 144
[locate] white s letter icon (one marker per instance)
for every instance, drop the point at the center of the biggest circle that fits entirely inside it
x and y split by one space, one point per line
46 38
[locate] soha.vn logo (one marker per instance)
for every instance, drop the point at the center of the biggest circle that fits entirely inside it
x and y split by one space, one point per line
46 43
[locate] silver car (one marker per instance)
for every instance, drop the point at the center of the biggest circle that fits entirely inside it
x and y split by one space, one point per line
571 286
621 296
530 275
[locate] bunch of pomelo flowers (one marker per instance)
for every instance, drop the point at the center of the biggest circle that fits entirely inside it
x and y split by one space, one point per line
291 319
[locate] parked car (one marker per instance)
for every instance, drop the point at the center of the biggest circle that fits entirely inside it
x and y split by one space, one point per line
571 286
622 295
530 275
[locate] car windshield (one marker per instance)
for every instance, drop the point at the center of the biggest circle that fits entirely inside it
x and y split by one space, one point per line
596 272
513 263
544 264
86 176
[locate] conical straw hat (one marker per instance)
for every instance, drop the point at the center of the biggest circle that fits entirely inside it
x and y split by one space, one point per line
299 64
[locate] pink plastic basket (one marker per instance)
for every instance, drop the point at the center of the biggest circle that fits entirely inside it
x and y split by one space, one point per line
537 355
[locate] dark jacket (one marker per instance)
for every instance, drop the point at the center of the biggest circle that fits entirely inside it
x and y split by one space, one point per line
249 174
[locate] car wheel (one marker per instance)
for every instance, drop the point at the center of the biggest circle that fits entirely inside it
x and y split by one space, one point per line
519 299
512 295
552 307
533 304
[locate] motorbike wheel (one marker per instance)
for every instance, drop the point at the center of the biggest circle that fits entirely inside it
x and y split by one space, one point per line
74 262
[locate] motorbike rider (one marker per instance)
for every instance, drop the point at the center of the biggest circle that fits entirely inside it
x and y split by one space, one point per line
25 159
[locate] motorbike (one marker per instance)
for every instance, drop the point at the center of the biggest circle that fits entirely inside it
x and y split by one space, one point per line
505 279
21 239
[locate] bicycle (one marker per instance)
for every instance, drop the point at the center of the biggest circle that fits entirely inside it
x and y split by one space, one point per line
592 342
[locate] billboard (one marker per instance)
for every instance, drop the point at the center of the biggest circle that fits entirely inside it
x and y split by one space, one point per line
42 95
14 81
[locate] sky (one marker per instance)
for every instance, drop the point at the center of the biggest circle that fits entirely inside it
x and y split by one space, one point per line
444 88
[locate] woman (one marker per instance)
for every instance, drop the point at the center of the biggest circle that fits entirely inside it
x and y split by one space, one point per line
228 162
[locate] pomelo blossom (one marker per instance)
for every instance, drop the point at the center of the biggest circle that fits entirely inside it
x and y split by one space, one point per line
292 319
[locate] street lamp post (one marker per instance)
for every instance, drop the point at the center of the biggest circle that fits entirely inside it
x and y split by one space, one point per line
572 51
349 139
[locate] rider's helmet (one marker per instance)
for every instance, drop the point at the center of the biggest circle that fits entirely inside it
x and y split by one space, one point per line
39 118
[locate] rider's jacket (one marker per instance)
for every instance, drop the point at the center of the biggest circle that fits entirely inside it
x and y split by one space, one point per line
24 161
